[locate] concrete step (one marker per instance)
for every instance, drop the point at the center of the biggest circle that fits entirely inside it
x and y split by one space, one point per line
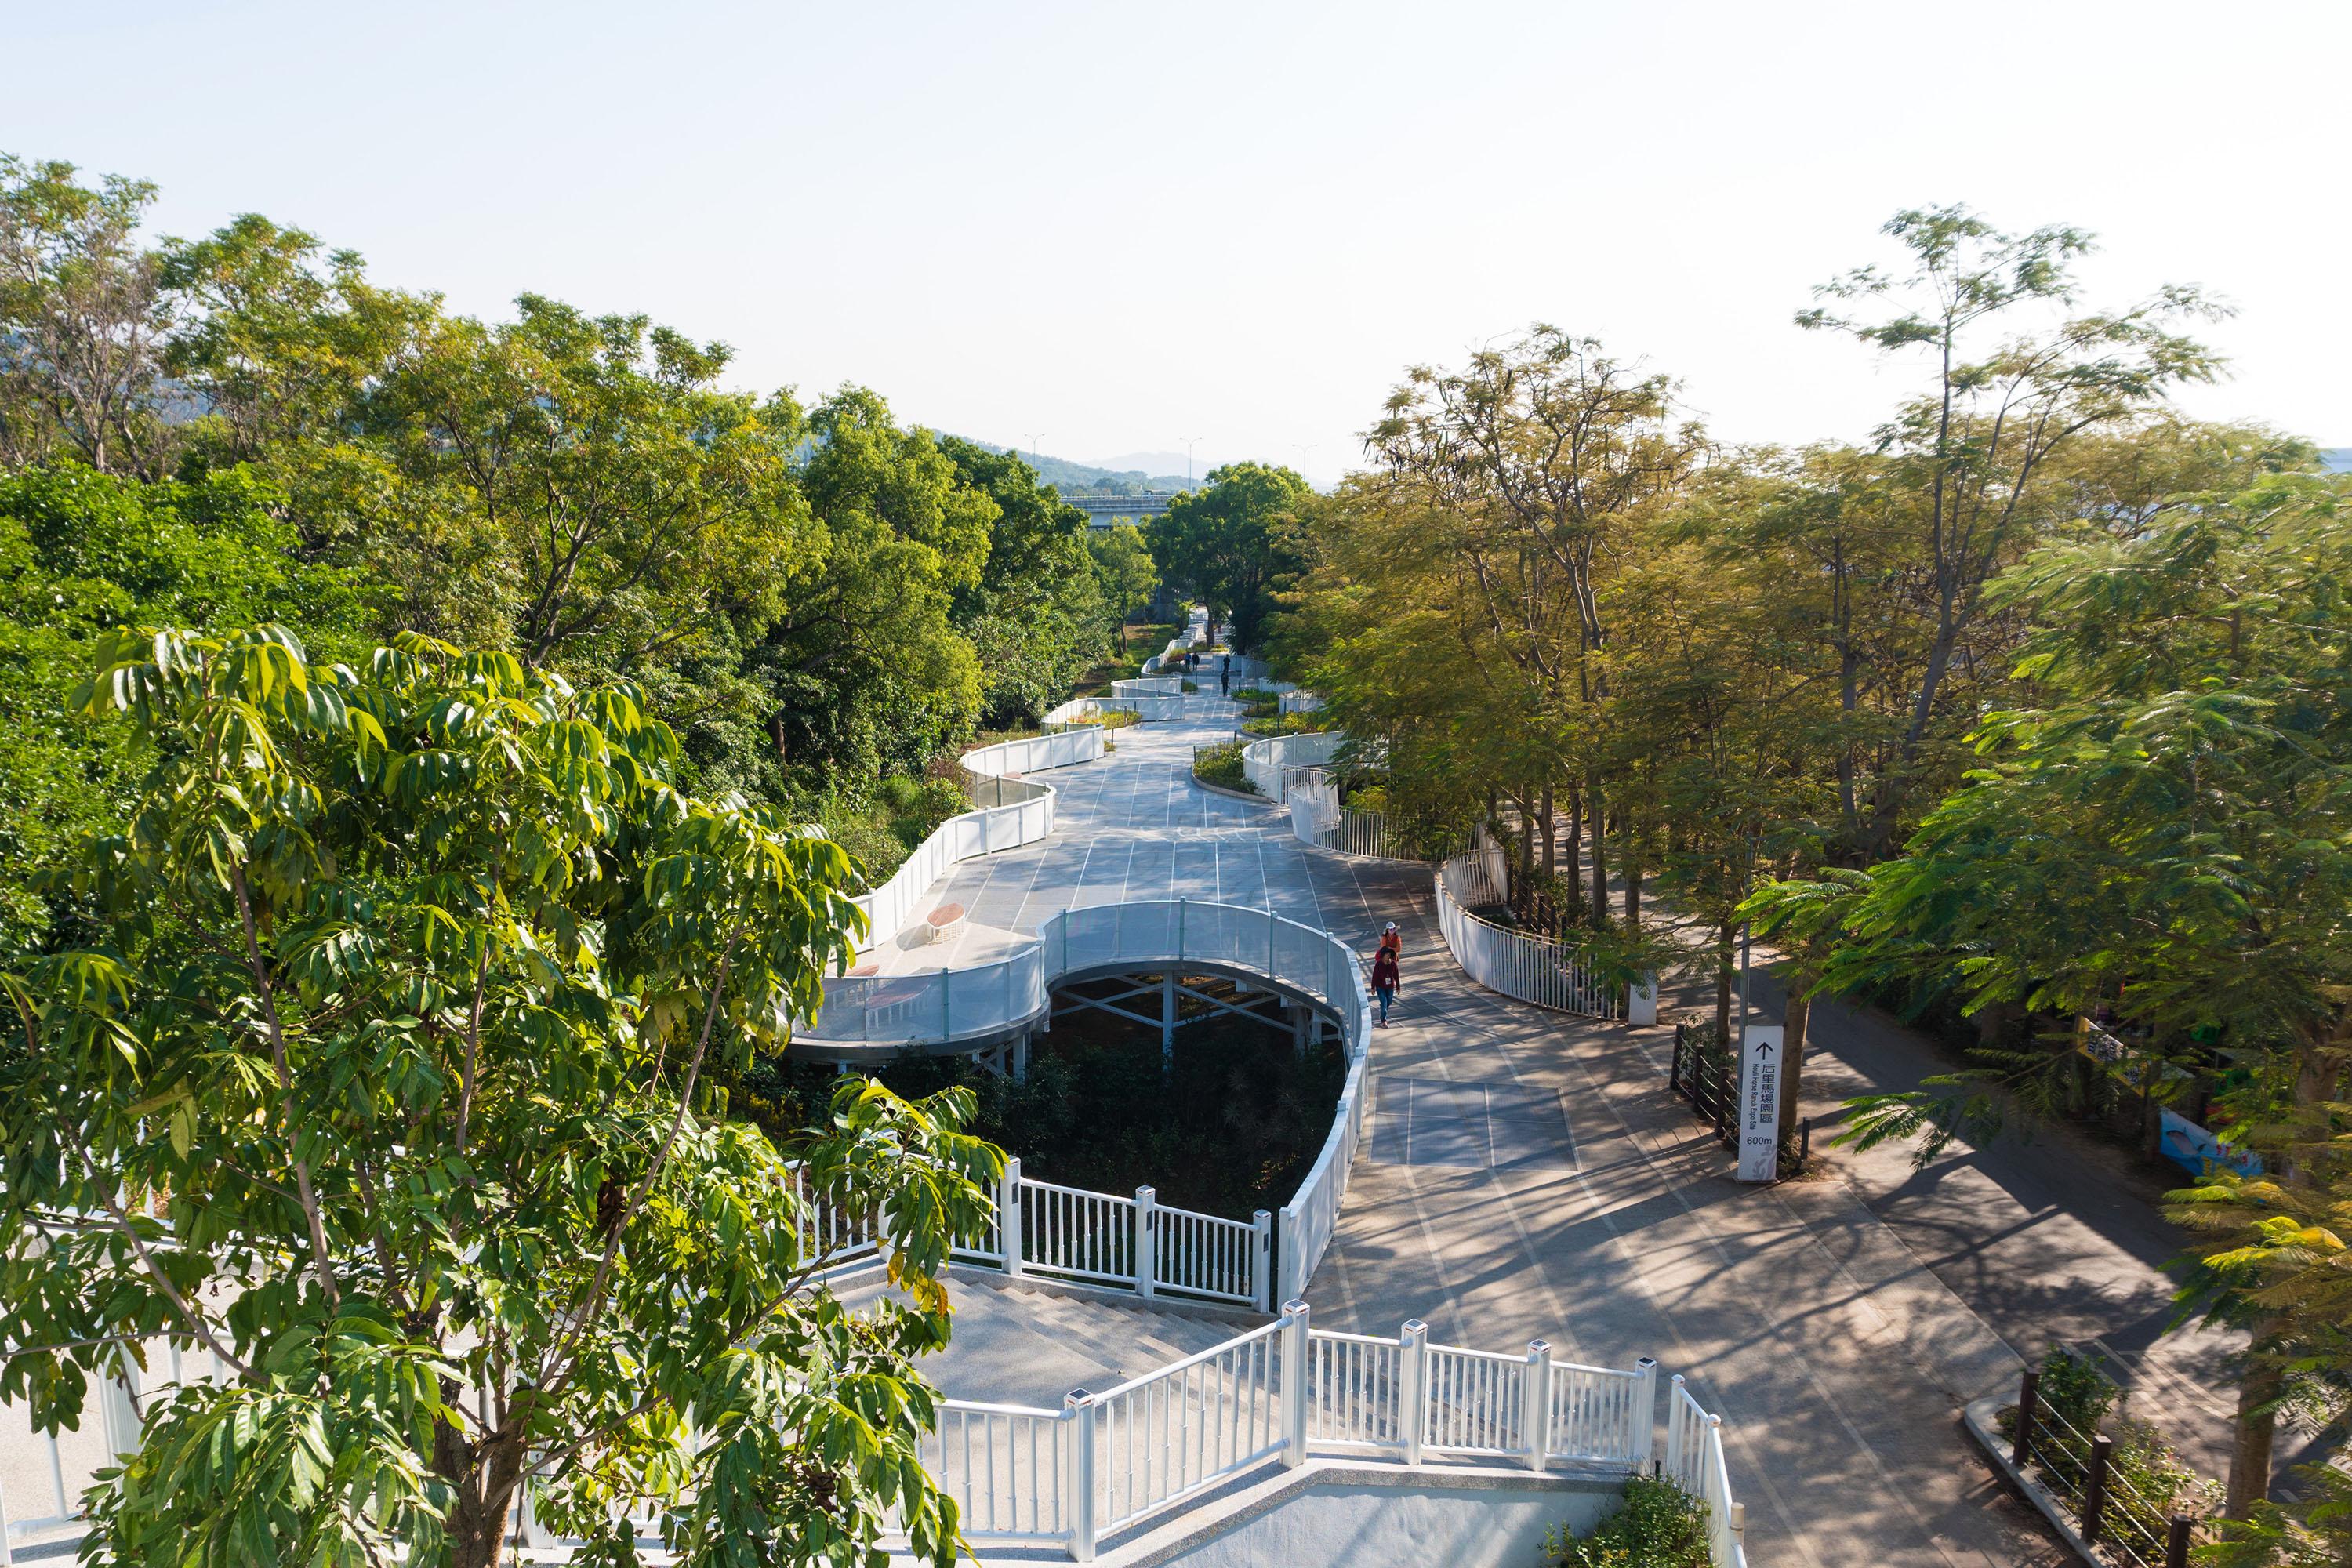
1026 1345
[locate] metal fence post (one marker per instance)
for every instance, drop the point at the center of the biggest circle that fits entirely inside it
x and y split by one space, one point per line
1535 1403
1262 1260
1285 1254
1412 1386
1643 1437
1078 1414
1147 1242
1293 1383
1674 1431
2028 1409
2094 1489
1008 1217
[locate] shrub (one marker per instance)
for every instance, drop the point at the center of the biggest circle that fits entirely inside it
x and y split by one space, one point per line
2148 1482
1661 1526
1222 766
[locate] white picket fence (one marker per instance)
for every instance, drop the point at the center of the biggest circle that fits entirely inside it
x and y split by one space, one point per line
1534 969
1135 1244
1694 1461
1112 1460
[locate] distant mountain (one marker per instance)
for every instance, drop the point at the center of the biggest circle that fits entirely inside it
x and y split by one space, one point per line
1152 463
1085 478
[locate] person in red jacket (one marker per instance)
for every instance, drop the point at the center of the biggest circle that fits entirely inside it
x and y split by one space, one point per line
1385 979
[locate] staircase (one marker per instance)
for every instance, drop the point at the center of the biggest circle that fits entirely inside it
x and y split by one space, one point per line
1016 1343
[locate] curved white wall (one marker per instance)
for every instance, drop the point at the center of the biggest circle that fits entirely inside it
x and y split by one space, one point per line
1264 761
1011 812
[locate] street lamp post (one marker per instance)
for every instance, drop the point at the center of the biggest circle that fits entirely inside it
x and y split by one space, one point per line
1189 442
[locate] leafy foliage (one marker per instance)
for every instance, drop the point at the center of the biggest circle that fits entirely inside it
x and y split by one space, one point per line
1659 1526
384 1074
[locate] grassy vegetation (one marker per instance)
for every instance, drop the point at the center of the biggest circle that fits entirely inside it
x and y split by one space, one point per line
882 829
1283 724
1222 766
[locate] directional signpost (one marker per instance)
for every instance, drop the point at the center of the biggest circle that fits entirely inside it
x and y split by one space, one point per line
1759 1103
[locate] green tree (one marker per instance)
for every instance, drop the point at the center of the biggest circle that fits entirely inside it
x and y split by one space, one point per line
82 319
384 1074
1232 542
1124 568
1975 454
864 671
282 344
2168 830
619 505
1035 616
80 553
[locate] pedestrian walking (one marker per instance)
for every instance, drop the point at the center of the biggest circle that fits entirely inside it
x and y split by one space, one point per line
1385 979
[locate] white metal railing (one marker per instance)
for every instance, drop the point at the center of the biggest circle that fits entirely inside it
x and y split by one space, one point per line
1540 970
1004 1465
1171 1434
1287 1391
1106 938
1082 1235
1476 1402
1317 817
1694 1461
1267 763
1356 1394
1011 811
1312 1218
1135 1244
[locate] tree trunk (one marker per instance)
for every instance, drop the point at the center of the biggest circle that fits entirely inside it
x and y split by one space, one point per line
1599 856
1550 851
1794 1017
2250 1455
1724 935
482 1496
1633 895
1574 887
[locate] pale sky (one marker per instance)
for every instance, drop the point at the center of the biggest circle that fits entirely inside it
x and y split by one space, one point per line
1111 228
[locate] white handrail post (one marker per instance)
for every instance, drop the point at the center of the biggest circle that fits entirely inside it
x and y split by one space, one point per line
1535 1403
1674 1431
1642 1001
1147 1242
1008 1217
1642 1440
1293 1383
1286 1254
1079 1414
1413 1385
1262 1260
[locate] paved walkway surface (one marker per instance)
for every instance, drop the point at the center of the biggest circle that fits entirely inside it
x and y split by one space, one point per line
1529 1175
